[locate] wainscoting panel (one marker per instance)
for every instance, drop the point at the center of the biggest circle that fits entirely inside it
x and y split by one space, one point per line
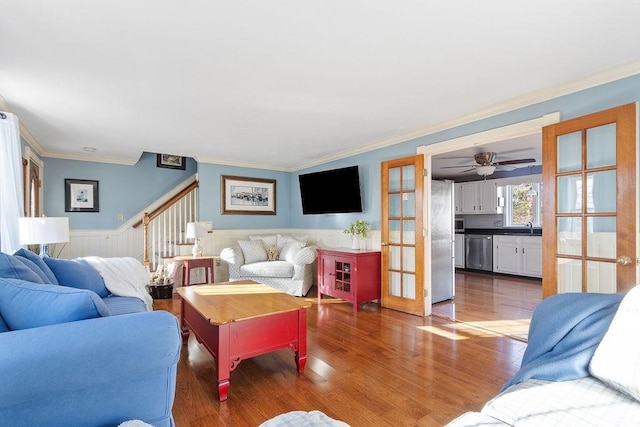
127 241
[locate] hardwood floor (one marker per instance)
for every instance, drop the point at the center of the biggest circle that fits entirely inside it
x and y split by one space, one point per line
376 367
497 303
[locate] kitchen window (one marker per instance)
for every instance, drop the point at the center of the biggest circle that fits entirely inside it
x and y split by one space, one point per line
524 204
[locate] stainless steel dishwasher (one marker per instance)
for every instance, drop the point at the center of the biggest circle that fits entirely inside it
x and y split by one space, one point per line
478 251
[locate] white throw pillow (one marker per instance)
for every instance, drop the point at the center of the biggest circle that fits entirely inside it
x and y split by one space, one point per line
253 251
616 361
269 240
291 249
283 240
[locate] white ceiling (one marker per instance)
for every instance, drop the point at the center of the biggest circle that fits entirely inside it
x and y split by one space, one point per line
286 84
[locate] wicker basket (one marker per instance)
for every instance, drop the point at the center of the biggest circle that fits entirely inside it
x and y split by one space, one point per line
160 291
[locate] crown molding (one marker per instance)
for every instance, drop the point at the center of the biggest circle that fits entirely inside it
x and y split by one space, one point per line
80 157
31 140
216 161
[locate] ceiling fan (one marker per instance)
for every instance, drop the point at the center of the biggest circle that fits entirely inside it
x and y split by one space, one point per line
486 164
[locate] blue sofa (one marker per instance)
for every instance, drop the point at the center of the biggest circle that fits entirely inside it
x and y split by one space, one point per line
71 354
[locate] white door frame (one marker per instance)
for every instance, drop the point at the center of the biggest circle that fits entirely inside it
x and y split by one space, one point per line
477 139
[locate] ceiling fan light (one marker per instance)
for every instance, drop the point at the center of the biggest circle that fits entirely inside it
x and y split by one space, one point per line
485 170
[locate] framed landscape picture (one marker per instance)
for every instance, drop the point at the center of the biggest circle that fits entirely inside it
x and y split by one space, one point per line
81 195
248 196
171 161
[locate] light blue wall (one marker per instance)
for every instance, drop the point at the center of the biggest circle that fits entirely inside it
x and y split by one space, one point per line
210 175
126 189
122 189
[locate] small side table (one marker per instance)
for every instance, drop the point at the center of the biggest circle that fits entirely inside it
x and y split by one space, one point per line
191 262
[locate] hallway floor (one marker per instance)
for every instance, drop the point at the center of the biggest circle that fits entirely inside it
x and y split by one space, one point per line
496 303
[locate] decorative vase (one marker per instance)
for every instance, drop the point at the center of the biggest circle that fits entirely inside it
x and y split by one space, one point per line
355 241
363 243
197 249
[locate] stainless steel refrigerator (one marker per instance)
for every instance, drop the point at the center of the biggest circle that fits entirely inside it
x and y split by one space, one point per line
442 240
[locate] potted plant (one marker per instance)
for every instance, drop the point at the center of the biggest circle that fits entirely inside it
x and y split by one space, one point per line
358 229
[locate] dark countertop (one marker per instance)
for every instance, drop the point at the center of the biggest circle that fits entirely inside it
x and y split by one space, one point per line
503 231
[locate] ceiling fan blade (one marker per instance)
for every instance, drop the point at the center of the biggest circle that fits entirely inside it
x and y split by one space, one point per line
514 162
505 168
469 170
461 166
509 153
453 158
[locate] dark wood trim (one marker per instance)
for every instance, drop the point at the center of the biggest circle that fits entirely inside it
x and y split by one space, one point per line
166 205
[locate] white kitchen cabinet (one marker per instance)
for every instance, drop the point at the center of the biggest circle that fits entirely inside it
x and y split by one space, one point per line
519 255
481 197
489 196
532 256
469 197
459 250
457 198
507 255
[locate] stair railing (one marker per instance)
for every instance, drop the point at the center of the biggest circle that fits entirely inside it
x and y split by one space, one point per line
164 227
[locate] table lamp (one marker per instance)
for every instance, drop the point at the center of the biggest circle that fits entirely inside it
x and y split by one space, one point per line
43 231
196 230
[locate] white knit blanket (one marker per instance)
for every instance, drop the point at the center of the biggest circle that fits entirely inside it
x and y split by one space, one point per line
124 277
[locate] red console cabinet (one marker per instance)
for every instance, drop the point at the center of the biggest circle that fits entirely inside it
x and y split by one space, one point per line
351 275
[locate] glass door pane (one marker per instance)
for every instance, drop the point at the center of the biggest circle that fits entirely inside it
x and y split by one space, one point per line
601 143
601 237
570 194
570 152
601 191
569 275
601 277
570 236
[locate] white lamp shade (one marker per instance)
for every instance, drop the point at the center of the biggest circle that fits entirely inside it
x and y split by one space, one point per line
485 170
43 230
195 230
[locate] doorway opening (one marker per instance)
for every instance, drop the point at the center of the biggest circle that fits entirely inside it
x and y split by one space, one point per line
482 313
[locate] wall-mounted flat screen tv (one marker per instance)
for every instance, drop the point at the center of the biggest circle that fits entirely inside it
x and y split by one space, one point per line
331 191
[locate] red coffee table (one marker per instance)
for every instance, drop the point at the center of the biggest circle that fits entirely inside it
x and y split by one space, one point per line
239 320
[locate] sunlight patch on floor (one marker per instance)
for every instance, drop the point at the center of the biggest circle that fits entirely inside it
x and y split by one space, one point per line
458 331
320 367
452 335
517 328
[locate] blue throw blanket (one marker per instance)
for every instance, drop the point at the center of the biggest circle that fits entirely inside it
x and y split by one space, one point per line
564 333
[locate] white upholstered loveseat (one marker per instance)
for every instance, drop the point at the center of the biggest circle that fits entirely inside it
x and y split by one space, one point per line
291 272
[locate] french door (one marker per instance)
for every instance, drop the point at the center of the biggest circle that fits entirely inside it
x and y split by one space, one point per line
589 198
402 235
